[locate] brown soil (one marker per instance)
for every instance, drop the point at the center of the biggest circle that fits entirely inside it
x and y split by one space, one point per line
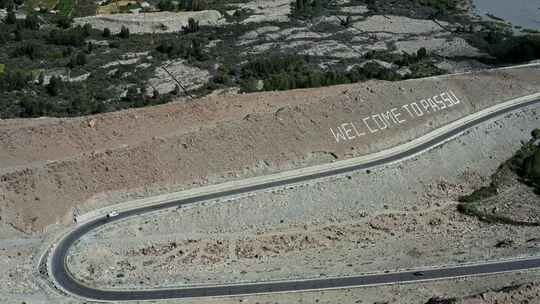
49 166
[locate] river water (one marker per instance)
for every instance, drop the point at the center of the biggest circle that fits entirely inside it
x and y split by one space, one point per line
525 13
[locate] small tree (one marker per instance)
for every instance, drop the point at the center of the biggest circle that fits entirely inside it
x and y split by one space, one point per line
41 78
199 5
155 94
535 134
124 32
176 90
87 29
194 5
106 33
54 86
166 5
132 94
11 18
192 27
421 53
4 38
31 22
306 8
18 35
80 59
89 47
6 4
63 21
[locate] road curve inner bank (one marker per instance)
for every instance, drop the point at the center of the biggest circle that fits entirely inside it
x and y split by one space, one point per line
64 279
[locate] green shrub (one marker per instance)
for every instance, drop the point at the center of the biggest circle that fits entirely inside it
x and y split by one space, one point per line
77 60
63 21
282 72
11 18
13 80
192 27
31 22
106 33
506 47
7 4
421 53
124 32
70 37
535 134
306 8
167 5
193 5
54 86
440 5
31 50
189 48
531 169
480 194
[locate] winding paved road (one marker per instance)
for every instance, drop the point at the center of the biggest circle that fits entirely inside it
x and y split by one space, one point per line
64 279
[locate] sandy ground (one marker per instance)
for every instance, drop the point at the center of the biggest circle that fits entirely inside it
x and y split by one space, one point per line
51 167
359 223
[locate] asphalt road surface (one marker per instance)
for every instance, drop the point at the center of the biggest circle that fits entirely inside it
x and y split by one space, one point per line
63 277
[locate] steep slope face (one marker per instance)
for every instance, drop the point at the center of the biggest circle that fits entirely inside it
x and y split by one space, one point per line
50 166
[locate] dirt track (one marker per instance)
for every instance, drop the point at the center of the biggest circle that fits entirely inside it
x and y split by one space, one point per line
49 166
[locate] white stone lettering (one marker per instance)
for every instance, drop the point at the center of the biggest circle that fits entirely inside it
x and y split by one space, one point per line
457 101
439 102
339 135
367 125
406 107
396 113
433 105
356 131
416 109
447 99
347 130
388 117
425 105
379 122
394 117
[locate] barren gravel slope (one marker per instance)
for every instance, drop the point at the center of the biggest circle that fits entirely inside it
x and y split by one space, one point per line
218 138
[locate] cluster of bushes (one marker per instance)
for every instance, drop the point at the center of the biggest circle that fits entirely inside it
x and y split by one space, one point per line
31 50
57 98
183 48
403 59
10 4
306 8
31 21
284 72
74 37
13 80
505 47
526 164
419 63
440 5
418 8
280 72
183 5
192 26
25 91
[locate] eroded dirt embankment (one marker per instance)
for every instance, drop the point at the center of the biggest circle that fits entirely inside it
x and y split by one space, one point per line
49 166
